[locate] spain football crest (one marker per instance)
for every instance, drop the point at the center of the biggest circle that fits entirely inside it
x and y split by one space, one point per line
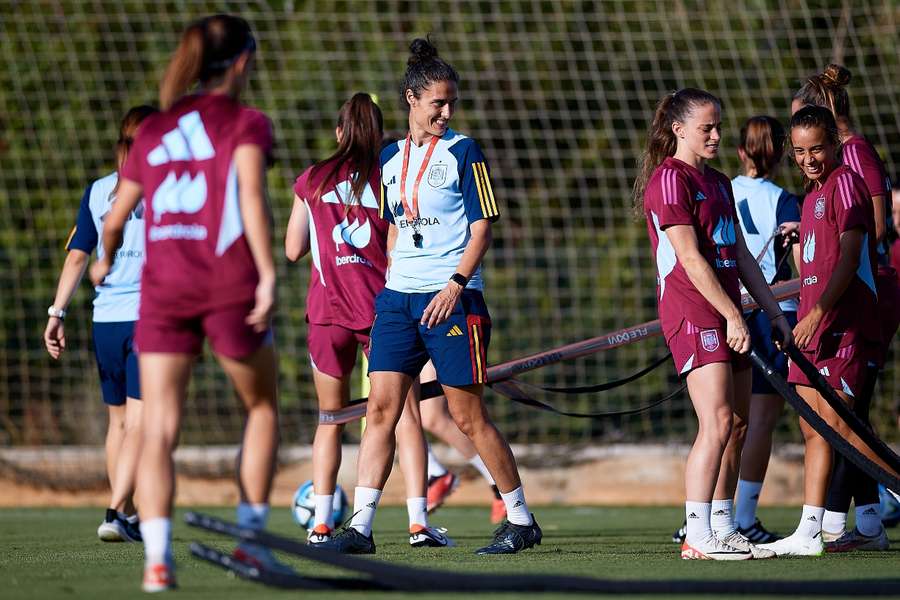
709 339
820 207
437 175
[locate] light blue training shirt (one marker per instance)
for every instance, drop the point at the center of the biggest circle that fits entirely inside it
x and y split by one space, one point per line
762 207
454 192
118 298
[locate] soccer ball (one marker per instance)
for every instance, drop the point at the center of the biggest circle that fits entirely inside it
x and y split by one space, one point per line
303 508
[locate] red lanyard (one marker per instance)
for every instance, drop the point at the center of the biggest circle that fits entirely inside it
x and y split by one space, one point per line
413 214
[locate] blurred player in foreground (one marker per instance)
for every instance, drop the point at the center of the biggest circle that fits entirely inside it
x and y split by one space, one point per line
209 271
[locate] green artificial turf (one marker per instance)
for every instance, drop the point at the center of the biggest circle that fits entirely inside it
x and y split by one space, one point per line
54 553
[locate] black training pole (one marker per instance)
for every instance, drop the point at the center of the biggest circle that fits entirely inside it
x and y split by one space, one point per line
838 442
509 369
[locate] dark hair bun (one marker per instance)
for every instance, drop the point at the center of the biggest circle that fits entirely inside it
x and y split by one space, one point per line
421 50
836 75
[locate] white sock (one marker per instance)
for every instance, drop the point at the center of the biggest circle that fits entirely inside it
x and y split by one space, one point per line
324 504
435 467
810 521
720 520
157 534
418 515
834 522
476 462
516 509
252 516
747 500
365 501
697 516
868 519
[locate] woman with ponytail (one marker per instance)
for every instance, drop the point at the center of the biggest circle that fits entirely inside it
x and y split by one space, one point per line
838 328
436 193
115 312
766 213
701 260
335 217
209 271
829 89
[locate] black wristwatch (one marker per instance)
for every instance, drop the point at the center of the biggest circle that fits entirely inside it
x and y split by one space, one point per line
461 280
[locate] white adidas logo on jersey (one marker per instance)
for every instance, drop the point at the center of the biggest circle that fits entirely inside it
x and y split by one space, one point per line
184 194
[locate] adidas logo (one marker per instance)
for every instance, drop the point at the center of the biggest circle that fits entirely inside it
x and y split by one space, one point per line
720 513
813 519
518 504
693 516
699 197
371 505
454 331
870 511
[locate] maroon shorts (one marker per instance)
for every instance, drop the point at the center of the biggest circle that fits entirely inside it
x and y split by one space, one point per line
332 348
888 286
228 333
843 366
693 347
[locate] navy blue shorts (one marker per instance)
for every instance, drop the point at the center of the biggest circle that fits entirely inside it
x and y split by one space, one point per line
117 362
761 339
457 347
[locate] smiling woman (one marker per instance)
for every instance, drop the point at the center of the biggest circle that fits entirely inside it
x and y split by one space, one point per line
436 193
838 330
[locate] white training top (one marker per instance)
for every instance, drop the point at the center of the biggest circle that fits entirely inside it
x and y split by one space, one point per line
455 191
117 299
762 207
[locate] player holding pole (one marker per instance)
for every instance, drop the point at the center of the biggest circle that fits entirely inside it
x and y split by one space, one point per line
838 330
848 482
701 259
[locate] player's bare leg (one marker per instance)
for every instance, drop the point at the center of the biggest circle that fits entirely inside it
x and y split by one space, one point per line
333 394
387 394
123 441
765 409
710 388
164 381
413 454
722 506
255 380
470 415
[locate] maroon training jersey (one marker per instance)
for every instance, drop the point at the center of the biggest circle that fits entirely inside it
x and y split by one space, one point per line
841 204
858 154
679 194
197 256
348 244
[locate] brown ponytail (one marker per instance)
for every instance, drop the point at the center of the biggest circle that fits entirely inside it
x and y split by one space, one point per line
184 67
762 140
127 130
828 89
362 129
207 49
661 142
